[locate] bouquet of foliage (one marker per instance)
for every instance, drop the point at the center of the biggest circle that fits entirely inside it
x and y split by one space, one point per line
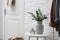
39 16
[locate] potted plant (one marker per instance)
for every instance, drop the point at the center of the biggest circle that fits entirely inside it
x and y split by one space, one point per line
39 17
32 31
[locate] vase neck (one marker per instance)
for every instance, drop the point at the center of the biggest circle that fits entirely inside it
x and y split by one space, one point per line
40 22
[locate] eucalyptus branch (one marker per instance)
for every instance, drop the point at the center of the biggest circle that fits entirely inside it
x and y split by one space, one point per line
39 16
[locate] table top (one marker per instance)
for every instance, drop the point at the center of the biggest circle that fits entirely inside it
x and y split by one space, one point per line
39 35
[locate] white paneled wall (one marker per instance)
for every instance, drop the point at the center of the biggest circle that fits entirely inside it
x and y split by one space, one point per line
32 6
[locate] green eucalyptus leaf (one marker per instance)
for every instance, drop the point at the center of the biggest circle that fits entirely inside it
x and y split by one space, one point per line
39 16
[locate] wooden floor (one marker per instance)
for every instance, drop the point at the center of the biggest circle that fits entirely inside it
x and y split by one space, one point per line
0 39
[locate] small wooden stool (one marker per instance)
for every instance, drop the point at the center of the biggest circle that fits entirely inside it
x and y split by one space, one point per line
11 39
17 38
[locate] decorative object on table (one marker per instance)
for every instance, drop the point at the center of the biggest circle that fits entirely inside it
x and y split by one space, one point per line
39 17
32 31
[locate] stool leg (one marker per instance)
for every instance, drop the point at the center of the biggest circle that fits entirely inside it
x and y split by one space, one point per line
29 38
45 38
37 38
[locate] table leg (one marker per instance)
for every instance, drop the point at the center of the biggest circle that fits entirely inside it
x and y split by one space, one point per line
29 38
37 38
45 38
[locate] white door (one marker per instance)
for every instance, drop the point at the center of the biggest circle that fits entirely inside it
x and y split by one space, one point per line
13 20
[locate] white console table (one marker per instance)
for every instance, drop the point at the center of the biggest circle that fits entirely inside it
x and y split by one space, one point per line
44 35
